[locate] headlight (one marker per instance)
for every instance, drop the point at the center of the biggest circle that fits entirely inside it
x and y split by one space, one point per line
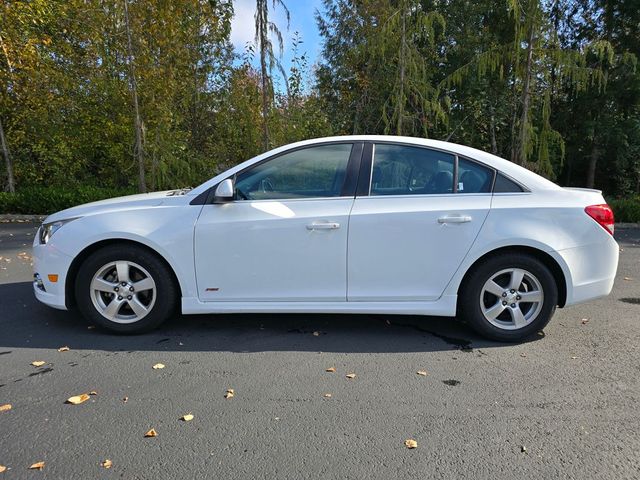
48 229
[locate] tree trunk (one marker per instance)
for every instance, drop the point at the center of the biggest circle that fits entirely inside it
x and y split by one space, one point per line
265 93
400 104
492 132
11 183
521 152
138 151
593 161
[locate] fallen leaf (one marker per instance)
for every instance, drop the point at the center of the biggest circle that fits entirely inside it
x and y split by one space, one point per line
523 449
107 463
584 321
523 355
2 468
187 418
330 369
93 392
327 395
229 393
409 443
78 399
37 466
5 408
151 433
38 363
422 373
316 334
574 358
125 399
628 279
158 366
63 349
351 376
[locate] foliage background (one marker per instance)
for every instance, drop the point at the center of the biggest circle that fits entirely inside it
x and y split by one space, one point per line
552 85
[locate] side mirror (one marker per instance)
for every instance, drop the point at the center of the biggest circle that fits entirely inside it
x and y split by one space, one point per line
224 191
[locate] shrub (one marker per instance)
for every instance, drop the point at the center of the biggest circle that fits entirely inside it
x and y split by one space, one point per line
626 209
46 200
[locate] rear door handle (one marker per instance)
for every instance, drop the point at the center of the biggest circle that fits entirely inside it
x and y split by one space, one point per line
454 219
323 226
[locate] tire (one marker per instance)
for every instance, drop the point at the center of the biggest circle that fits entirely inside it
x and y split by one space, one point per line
139 283
488 297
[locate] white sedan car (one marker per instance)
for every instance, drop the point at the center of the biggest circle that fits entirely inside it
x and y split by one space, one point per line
357 224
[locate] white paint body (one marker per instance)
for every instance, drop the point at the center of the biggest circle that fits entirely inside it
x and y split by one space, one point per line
378 254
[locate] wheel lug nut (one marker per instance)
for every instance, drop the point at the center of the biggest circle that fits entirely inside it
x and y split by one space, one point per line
124 284
131 289
504 303
513 305
119 297
116 289
512 291
518 297
129 297
504 294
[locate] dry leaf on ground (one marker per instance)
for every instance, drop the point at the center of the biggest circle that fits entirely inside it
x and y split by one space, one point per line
38 363
628 279
422 373
350 376
523 355
158 366
316 334
187 418
327 395
93 392
2 468
5 408
125 399
63 349
107 463
151 433
78 399
410 443
330 369
37 466
229 393
584 321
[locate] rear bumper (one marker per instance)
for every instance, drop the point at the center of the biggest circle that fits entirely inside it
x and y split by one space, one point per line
49 261
591 270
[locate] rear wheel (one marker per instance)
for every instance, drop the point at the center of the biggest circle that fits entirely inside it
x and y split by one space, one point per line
126 289
509 297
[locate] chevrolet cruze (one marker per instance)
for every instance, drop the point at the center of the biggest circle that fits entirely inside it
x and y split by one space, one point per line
357 224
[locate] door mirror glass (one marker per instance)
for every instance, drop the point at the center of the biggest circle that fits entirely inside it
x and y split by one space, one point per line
224 191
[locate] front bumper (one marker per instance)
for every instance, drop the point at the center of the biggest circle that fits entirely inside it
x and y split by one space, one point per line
47 260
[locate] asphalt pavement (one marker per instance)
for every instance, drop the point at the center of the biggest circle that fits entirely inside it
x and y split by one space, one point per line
563 405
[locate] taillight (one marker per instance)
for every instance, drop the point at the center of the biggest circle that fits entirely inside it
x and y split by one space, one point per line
602 214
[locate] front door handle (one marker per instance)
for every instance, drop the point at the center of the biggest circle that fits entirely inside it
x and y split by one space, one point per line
454 219
323 226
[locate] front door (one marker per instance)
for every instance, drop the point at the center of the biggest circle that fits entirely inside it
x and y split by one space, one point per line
284 237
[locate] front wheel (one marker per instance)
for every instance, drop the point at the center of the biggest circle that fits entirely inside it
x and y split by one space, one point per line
126 289
509 297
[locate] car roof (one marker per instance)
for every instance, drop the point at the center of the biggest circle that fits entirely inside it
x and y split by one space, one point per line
524 176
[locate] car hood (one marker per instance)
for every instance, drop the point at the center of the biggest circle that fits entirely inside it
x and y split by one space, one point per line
142 200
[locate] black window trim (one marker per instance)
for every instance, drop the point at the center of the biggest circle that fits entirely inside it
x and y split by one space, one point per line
366 171
348 186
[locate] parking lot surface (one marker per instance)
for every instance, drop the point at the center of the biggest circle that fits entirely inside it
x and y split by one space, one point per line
562 405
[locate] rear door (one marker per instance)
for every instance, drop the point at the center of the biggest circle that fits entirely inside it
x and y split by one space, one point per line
415 217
